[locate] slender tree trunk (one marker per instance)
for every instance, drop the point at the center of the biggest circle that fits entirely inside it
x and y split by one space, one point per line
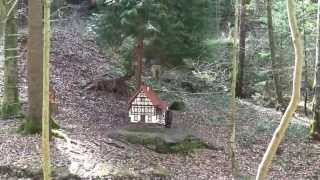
232 130
139 64
10 105
315 125
257 7
275 67
46 166
35 64
241 48
217 18
2 19
2 30
287 117
306 81
92 4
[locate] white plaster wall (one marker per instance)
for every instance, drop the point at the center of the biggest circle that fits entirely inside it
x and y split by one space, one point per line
153 117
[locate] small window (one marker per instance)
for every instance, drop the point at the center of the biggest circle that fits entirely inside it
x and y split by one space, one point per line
149 119
135 118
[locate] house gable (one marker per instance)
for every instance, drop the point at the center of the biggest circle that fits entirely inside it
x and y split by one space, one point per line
151 95
141 99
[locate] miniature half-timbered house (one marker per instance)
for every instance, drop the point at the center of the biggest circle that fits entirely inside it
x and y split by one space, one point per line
146 107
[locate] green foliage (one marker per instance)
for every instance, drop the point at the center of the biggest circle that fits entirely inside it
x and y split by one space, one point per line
295 131
177 106
126 51
265 126
264 55
172 30
247 139
10 110
217 121
280 17
298 131
57 4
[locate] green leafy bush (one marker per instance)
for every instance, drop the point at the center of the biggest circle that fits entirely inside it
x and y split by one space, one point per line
177 106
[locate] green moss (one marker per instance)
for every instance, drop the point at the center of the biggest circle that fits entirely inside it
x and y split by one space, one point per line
315 128
53 124
161 141
30 127
189 144
10 110
34 127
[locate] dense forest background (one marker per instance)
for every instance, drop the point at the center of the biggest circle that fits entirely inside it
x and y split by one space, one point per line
229 70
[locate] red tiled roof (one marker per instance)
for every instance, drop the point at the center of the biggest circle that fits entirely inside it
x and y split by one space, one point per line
154 98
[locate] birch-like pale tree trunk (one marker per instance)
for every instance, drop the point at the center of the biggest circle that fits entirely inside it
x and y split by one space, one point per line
232 130
315 124
46 165
2 27
297 76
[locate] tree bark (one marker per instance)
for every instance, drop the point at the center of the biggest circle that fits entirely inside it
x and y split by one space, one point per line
287 117
275 67
315 124
257 7
232 130
138 62
10 105
35 64
241 48
46 166
2 19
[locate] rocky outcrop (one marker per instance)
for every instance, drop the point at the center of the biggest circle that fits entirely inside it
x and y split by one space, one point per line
161 140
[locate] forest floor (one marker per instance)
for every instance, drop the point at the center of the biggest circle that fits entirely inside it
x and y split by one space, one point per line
86 117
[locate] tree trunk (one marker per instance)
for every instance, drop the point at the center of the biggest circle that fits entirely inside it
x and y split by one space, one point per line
10 105
92 4
241 48
138 64
287 117
2 34
315 125
305 84
232 130
2 19
257 7
34 66
45 92
275 67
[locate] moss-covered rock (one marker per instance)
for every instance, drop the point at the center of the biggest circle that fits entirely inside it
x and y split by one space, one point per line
161 140
61 173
